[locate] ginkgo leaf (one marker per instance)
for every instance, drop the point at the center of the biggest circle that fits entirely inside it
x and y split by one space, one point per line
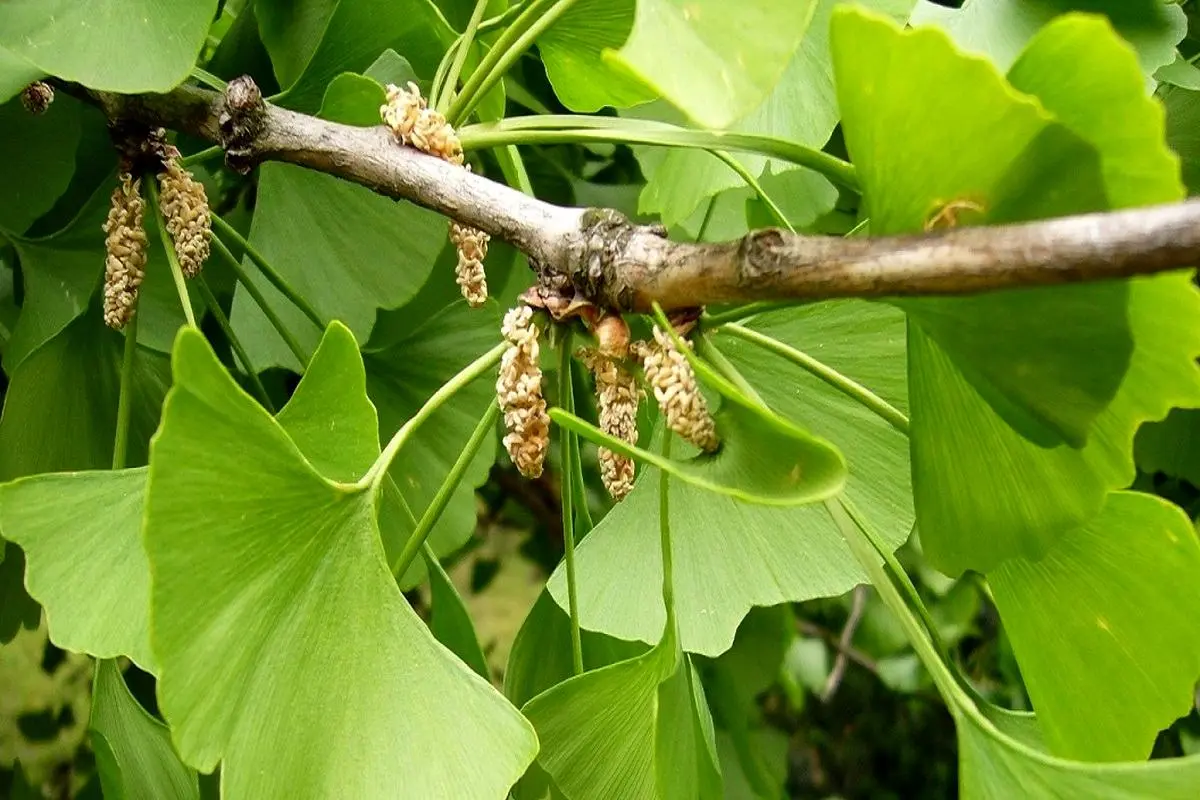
1171 446
736 555
959 442
286 650
347 250
61 273
762 458
1000 157
73 39
996 763
312 41
451 623
1061 487
402 374
60 410
81 532
17 609
723 60
1001 28
133 750
39 162
801 108
633 729
1102 626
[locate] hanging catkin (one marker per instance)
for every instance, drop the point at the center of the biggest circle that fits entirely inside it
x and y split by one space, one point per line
674 383
125 252
186 213
617 396
519 393
426 129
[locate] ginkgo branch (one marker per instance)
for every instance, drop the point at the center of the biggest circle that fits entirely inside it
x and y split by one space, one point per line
603 257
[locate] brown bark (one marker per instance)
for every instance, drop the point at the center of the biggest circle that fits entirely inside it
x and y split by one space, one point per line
624 266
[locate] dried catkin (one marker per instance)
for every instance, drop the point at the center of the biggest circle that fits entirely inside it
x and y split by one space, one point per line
185 210
37 97
617 396
519 393
426 129
125 252
674 383
472 246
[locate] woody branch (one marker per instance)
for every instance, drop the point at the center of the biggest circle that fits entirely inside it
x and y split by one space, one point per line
623 266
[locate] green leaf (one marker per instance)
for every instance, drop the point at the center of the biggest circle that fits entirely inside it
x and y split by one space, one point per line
312 41
401 376
994 764
60 410
1171 446
1048 382
959 442
78 40
1183 133
451 622
762 458
632 729
1001 28
285 647
1061 487
17 608
81 533
573 50
1112 604
722 59
133 750
328 417
1180 72
1007 157
20 788
346 249
734 555
353 99
801 108
1101 100
61 272
15 74
541 652
38 162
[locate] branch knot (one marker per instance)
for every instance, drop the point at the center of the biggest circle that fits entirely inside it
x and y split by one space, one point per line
241 119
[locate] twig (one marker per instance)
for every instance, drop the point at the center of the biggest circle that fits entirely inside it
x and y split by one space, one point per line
833 640
605 258
844 643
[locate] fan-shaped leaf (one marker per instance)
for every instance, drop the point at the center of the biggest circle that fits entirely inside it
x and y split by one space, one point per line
285 647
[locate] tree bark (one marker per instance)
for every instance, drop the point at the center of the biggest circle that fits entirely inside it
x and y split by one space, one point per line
604 258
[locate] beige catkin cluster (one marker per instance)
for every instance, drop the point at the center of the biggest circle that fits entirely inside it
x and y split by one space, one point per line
186 213
519 393
125 247
472 246
617 396
37 97
426 129
674 383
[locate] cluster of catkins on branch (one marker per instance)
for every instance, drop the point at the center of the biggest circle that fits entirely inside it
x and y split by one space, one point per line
186 216
426 129
667 371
